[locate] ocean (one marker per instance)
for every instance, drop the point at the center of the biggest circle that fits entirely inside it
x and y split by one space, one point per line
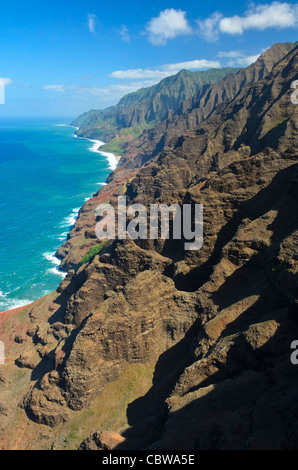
46 175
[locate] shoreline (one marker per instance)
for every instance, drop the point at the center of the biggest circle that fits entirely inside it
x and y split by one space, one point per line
17 304
112 165
113 159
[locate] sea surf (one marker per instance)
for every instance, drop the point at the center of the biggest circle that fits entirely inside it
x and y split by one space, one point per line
46 175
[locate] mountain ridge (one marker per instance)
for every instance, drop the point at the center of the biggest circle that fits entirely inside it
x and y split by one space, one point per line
121 144
145 107
151 142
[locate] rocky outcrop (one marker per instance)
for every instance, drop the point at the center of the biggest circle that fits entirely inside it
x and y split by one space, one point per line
102 441
131 326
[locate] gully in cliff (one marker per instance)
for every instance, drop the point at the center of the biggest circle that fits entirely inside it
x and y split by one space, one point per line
294 95
186 221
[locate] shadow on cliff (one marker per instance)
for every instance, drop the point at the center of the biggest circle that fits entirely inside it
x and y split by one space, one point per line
275 291
47 363
250 404
74 285
265 200
147 414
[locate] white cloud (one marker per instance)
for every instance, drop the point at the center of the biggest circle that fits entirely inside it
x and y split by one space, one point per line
276 14
164 70
193 65
260 17
168 25
58 88
92 19
112 91
5 81
135 74
139 78
124 34
209 28
238 59
244 61
230 54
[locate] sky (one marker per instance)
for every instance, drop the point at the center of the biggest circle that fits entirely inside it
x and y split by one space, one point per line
62 58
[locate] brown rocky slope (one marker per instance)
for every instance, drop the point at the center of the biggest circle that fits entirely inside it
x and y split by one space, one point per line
173 349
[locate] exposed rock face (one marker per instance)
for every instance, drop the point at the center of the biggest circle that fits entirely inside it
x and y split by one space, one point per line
238 124
102 441
151 345
147 106
208 98
124 331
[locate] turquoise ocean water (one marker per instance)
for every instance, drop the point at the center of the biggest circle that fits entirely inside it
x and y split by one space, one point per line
46 175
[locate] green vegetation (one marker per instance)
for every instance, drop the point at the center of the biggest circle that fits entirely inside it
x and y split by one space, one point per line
114 147
121 189
276 124
108 409
91 253
73 435
145 108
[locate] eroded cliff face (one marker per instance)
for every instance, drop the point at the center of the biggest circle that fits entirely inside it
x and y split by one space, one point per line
204 103
254 114
151 345
146 107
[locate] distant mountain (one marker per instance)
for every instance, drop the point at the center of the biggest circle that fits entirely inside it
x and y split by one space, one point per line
145 121
146 107
207 99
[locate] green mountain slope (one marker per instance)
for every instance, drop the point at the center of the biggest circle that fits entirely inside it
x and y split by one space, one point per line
146 107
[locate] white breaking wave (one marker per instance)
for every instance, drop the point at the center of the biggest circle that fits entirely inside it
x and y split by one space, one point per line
53 259
70 220
46 292
57 272
113 162
9 304
63 236
96 145
65 125
90 197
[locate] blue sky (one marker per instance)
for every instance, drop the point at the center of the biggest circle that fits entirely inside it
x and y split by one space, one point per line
63 58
